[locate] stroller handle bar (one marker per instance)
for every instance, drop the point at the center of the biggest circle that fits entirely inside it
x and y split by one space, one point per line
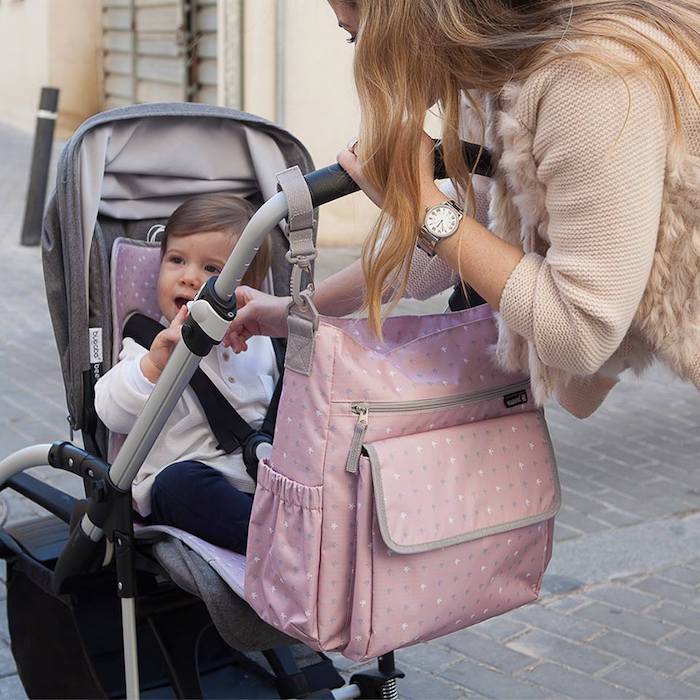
325 185
332 182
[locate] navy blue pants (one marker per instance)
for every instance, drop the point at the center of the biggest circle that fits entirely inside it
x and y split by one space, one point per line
197 498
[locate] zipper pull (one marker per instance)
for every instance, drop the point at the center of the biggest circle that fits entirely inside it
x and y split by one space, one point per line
358 437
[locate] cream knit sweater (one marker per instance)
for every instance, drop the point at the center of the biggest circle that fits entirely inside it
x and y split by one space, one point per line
607 211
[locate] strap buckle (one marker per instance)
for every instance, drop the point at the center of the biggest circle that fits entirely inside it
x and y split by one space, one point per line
302 260
302 306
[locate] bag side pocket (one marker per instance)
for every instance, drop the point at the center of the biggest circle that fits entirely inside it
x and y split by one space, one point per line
284 545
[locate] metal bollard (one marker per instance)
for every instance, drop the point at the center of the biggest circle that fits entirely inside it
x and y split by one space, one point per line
41 161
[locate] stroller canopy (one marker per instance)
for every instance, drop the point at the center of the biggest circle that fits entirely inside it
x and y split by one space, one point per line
122 171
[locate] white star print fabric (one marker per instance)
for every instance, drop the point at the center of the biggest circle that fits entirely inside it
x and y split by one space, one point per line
410 492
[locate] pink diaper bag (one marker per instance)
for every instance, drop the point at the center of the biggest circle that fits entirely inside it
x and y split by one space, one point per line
411 490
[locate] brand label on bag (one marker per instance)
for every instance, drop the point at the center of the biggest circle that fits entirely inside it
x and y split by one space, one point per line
95 345
515 399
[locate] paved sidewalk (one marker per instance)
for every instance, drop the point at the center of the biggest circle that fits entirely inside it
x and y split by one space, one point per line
620 612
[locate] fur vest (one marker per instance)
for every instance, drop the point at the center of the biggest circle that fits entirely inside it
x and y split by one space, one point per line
666 325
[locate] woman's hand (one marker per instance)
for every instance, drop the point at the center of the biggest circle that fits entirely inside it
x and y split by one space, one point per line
154 361
351 163
258 314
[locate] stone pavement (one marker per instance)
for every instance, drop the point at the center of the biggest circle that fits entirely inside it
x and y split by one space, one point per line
620 611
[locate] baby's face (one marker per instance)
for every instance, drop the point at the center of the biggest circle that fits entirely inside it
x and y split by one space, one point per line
189 261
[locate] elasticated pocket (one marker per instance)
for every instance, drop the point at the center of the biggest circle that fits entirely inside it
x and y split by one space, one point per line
284 544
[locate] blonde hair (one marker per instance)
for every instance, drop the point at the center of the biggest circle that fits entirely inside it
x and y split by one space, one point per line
411 54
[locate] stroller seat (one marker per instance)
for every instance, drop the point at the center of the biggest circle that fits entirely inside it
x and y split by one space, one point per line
133 281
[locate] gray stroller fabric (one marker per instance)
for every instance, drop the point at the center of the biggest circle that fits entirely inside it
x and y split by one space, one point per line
122 171
234 619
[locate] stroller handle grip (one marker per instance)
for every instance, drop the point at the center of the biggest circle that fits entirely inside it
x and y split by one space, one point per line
330 183
333 182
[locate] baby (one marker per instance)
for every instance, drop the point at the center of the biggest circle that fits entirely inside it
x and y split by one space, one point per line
187 481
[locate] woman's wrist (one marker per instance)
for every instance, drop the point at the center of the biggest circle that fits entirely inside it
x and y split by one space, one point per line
431 195
341 293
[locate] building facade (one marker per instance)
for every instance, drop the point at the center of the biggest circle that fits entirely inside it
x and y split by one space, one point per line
286 60
49 43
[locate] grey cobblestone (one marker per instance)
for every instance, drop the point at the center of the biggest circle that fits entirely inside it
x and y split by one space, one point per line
429 656
622 597
11 688
635 623
564 532
4 628
650 684
577 485
615 518
621 501
692 679
583 504
651 655
567 626
501 628
491 684
687 642
7 663
486 651
565 604
578 520
677 614
572 684
668 589
541 645
421 685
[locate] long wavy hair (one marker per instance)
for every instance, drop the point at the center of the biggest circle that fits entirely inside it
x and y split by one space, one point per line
413 54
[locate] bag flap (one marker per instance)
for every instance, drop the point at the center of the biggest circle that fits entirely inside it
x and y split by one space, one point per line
445 487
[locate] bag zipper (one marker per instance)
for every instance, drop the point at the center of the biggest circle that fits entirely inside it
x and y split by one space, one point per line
362 410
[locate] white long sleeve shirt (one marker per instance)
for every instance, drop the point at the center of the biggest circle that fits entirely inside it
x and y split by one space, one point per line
246 380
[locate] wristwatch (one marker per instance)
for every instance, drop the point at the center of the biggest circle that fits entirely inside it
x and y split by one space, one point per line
441 221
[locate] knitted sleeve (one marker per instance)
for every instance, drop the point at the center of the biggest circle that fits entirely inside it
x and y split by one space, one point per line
600 160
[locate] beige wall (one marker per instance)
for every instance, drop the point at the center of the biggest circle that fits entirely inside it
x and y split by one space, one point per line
74 60
24 51
49 43
319 105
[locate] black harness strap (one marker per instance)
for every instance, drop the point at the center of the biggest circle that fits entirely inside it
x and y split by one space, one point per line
279 345
458 302
230 430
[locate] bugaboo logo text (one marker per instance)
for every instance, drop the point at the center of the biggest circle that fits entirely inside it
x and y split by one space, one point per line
95 345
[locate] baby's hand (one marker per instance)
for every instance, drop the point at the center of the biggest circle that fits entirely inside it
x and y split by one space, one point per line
154 361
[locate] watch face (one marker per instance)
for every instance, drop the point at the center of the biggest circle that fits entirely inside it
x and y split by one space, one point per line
442 221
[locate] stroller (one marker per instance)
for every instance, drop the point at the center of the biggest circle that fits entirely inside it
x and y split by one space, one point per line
184 630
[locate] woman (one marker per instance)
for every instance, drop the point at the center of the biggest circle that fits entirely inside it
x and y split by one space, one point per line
591 109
